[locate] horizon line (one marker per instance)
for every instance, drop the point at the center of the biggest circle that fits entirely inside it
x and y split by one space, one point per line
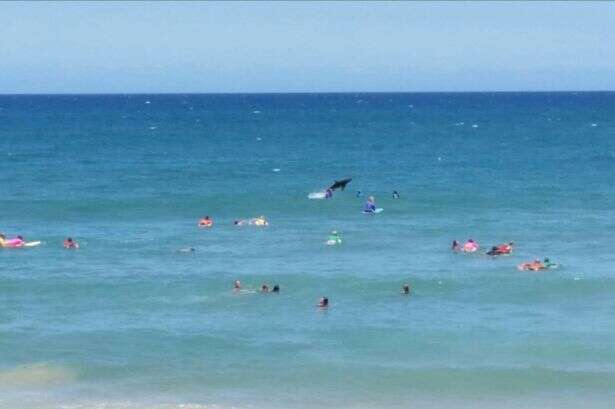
302 92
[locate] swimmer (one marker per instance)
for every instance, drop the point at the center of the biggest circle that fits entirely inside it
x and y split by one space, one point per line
241 222
13 243
395 194
264 288
328 193
259 221
470 246
17 242
493 251
323 302
237 285
456 246
405 289
206 222
359 193
549 264
186 250
334 238
370 205
276 289
69 243
535 265
502 249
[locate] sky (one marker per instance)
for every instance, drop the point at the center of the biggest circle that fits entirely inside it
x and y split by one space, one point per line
149 47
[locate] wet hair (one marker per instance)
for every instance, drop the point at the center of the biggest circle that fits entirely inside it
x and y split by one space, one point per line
264 287
20 237
69 239
324 302
276 289
406 288
2 236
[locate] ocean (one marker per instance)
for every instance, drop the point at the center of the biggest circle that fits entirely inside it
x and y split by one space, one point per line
129 321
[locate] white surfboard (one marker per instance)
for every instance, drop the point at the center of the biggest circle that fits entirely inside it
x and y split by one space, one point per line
377 210
317 195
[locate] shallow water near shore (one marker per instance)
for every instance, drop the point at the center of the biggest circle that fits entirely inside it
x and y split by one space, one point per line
127 321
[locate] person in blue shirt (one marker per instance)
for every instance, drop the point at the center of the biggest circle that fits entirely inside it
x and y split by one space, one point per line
370 205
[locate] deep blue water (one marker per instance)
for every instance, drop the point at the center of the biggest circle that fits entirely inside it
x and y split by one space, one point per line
127 321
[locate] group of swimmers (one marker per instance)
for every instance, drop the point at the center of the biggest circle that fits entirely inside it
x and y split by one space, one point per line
19 242
15 242
503 249
207 222
395 194
264 287
323 302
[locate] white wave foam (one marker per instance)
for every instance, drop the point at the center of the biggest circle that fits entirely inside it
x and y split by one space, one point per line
316 195
113 405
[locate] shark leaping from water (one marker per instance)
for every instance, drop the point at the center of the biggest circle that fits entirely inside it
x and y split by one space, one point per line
340 184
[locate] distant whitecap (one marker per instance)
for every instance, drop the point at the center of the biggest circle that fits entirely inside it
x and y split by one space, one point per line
259 139
147 102
153 127
594 124
276 169
474 126
256 112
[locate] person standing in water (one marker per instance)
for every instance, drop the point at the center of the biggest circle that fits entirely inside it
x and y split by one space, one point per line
370 205
324 302
395 194
405 289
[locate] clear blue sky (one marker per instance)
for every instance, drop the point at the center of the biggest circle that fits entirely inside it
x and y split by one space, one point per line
306 46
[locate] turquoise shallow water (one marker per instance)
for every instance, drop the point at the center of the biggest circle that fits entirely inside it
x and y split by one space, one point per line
128 322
